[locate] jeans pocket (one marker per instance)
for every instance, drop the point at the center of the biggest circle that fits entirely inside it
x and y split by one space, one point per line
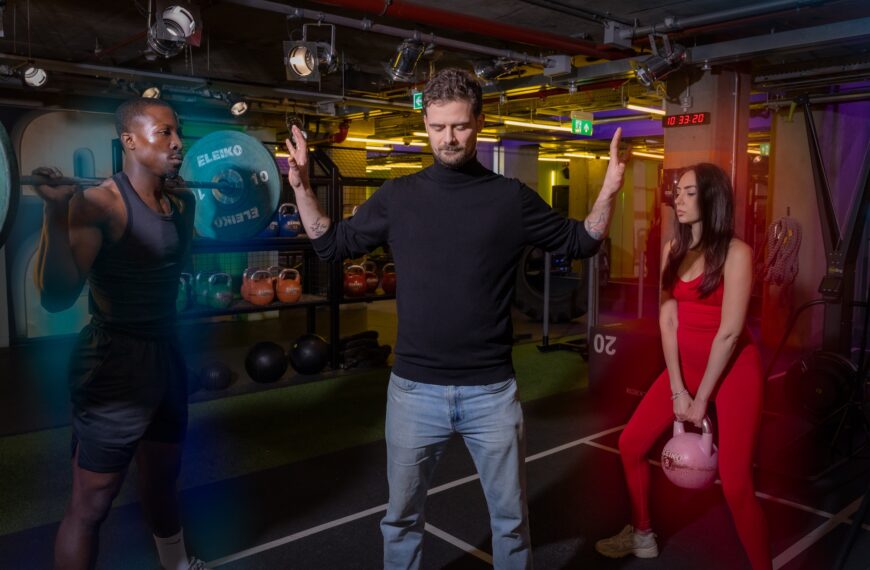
498 386
402 384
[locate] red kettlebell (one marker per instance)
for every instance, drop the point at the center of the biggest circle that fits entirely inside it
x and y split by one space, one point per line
371 269
388 279
260 288
690 460
246 282
289 286
355 281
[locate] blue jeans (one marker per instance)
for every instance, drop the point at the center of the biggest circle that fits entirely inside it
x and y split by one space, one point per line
421 418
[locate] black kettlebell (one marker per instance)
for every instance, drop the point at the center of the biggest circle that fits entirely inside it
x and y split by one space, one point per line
309 354
215 376
266 362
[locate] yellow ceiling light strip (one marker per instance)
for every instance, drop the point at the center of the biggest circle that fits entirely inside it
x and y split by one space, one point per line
541 126
648 155
653 110
479 138
580 155
383 141
553 159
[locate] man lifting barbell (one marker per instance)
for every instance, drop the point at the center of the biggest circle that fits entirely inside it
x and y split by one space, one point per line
128 237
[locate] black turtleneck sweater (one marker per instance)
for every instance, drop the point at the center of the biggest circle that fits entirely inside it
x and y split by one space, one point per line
456 237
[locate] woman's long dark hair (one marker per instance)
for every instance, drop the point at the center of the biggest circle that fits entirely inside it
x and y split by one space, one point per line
716 206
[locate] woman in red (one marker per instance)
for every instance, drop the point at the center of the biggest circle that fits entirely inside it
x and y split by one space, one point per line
710 357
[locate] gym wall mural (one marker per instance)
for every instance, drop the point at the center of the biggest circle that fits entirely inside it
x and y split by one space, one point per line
65 140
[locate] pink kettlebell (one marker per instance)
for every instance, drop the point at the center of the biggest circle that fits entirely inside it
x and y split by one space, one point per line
690 460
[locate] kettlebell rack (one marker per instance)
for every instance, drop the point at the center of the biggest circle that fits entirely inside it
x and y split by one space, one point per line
328 184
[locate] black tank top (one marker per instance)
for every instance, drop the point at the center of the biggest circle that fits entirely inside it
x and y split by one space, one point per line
134 281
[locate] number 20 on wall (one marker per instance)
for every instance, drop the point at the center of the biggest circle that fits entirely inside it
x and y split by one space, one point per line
604 343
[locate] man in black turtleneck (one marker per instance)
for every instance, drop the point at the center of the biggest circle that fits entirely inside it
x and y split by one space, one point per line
456 231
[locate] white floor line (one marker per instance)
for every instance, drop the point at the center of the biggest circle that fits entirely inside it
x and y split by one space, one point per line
833 520
791 552
294 537
374 510
462 545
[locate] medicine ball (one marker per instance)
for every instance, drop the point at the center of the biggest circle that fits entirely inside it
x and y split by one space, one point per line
309 354
215 376
266 362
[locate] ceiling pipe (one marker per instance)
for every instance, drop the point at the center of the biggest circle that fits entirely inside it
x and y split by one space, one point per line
368 26
456 21
675 24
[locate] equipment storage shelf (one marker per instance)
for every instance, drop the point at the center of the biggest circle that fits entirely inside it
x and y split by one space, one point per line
239 307
322 278
366 299
201 245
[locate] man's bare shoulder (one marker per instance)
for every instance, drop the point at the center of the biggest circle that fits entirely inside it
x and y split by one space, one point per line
97 204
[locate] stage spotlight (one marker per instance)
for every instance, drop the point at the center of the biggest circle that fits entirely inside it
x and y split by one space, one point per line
238 105
169 33
308 60
659 65
34 76
402 66
491 70
151 92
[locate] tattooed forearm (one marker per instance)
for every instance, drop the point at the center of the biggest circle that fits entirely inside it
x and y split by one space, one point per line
319 227
598 220
597 228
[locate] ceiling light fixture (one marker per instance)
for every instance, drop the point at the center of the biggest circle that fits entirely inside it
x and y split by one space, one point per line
580 155
309 60
490 70
659 65
542 126
553 159
404 62
238 105
34 76
648 155
645 109
171 30
151 92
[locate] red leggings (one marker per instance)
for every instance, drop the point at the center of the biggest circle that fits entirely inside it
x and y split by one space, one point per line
738 400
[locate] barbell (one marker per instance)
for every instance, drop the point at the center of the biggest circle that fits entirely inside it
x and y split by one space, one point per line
233 176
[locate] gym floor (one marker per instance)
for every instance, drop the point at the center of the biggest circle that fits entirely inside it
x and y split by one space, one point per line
294 477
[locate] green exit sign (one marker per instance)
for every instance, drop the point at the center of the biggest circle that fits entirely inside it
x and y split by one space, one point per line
764 148
581 127
418 100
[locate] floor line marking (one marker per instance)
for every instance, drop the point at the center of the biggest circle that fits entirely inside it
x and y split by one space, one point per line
294 537
374 510
462 545
815 535
759 494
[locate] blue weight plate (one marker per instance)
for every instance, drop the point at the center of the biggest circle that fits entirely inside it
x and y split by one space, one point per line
239 159
9 189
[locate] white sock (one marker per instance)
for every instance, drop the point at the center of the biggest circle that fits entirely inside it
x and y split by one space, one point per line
171 551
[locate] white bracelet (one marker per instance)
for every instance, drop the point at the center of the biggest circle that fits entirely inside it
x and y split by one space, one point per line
678 394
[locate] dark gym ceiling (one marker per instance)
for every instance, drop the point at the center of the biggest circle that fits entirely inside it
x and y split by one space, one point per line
95 53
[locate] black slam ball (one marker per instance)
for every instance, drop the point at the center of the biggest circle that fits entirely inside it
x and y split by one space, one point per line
215 376
309 354
266 362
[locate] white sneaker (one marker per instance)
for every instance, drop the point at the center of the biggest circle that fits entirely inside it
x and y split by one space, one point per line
628 542
196 564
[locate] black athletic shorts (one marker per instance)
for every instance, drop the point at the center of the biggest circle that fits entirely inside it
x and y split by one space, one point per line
124 389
